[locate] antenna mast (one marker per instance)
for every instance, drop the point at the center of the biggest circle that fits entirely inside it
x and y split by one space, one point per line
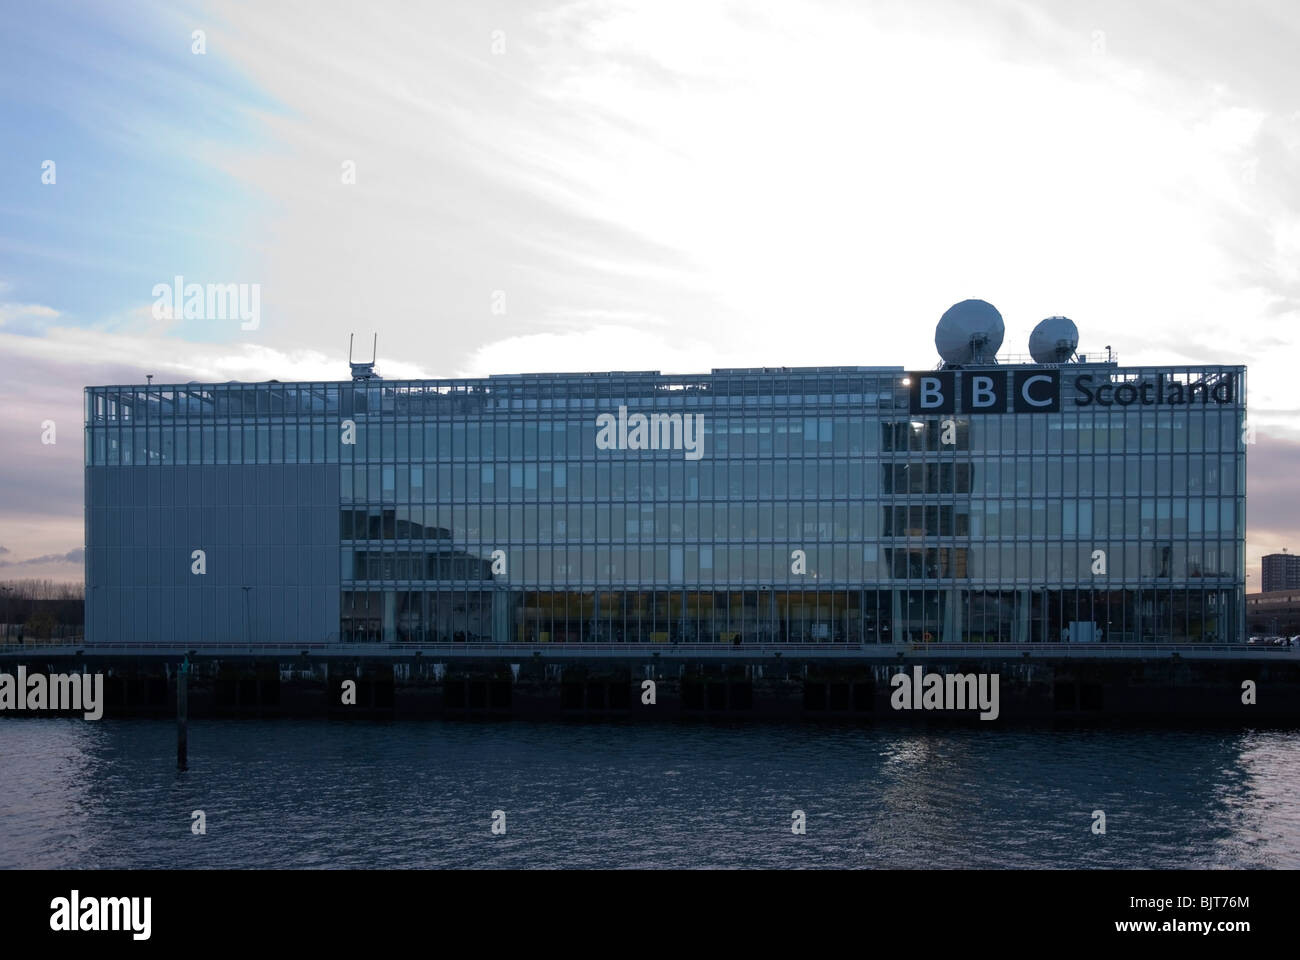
364 371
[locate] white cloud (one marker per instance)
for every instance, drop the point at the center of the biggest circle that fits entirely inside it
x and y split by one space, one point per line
86 356
10 312
597 349
787 184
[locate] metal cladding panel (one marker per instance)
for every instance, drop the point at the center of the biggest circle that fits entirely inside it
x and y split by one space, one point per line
270 537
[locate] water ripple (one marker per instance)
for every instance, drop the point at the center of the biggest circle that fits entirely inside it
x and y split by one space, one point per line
317 794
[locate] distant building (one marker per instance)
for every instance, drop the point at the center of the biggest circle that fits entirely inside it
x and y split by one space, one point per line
1281 571
1273 614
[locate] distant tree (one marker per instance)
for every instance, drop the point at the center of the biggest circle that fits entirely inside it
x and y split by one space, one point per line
42 607
40 625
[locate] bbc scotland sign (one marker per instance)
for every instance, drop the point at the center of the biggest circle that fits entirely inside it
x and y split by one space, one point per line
1039 391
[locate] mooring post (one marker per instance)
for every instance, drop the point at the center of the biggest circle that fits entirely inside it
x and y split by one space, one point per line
182 715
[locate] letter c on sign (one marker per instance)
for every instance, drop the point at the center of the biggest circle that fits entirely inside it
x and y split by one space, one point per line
1024 392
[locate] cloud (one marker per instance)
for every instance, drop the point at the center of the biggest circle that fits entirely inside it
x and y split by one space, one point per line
28 318
606 347
610 165
1273 463
137 321
72 556
127 348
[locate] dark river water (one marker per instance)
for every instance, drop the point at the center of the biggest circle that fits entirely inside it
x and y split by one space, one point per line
422 794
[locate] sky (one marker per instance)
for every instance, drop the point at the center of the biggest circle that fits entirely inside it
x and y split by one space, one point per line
506 187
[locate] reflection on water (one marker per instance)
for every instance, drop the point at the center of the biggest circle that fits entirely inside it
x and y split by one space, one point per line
421 794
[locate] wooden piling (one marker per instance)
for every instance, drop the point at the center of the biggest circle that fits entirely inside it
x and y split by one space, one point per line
182 716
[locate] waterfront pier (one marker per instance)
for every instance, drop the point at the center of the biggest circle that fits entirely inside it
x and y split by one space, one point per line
1038 682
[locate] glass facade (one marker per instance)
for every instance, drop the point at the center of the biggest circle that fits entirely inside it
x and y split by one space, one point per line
809 505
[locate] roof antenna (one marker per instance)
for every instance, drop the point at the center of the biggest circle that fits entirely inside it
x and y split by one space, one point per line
364 371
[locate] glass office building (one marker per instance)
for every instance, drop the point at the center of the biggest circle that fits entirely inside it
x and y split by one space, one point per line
1082 502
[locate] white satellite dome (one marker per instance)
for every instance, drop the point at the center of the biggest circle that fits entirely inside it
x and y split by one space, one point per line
1054 340
969 331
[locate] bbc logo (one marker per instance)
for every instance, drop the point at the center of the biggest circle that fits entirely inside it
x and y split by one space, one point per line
1026 391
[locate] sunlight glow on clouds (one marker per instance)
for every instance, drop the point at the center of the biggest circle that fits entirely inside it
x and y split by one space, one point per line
868 180
778 184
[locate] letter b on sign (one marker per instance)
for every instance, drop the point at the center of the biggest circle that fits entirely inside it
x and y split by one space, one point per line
984 392
932 393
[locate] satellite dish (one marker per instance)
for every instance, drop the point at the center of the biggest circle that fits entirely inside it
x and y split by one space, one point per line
969 332
1054 340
